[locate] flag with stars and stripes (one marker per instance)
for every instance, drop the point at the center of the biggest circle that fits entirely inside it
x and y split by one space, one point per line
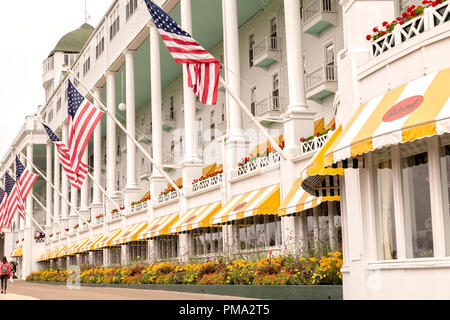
202 68
25 177
76 178
13 202
3 200
83 118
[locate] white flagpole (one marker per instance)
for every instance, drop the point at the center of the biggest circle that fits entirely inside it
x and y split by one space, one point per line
59 193
252 117
26 211
105 109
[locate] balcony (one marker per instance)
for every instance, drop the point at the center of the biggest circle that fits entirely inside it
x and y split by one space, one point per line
313 145
207 183
266 52
139 207
321 83
169 121
319 15
145 171
47 67
270 109
172 195
144 134
264 162
432 17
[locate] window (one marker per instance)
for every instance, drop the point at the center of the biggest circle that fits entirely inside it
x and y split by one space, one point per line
212 125
115 255
445 180
273 34
100 44
130 8
58 105
206 241
259 231
405 4
329 62
69 59
172 109
222 112
253 100
384 205
86 65
137 251
276 91
416 200
167 246
251 44
114 24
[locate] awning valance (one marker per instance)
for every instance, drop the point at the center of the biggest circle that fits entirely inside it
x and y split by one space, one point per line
50 253
158 226
17 252
194 218
90 244
56 253
69 247
129 233
77 245
46 252
298 200
257 202
418 109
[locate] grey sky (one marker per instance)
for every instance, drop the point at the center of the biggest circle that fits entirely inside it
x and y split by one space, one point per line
29 31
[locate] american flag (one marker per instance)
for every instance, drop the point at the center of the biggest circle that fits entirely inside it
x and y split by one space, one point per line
202 68
25 177
83 118
3 200
76 178
12 203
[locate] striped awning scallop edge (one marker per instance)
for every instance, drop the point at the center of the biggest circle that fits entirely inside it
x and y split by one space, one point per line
261 201
44 254
194 218
130 233
158 226
298 200
77 245
90 244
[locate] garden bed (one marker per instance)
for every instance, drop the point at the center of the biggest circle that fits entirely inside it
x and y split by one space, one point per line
286 292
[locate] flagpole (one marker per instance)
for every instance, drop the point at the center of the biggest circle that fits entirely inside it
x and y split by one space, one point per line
105 109
45 208
26 211
57 191
252 117
90 176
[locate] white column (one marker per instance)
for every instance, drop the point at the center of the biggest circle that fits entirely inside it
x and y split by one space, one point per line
73 200
64 179
331 228
294 52
85 187
131 189
56 183
190 152
231 53
316 228
111 133
156 109
29 201
49 193
97 199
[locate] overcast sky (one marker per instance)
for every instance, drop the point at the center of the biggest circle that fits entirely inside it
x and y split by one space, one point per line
30 29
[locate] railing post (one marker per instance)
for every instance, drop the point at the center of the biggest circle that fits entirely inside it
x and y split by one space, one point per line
428 21
397 35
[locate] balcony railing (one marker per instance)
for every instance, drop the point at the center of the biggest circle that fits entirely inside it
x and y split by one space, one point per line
206 183
313 145
432 17
317 6
268 44
146 168
321 75
270 104
166 197
271 160
139 207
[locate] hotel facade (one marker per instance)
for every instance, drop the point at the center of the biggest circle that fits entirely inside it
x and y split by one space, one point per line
306 72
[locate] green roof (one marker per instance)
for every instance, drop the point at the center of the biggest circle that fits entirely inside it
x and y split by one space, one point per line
74 41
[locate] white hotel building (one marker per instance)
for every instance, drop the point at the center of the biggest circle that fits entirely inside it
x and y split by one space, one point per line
299 66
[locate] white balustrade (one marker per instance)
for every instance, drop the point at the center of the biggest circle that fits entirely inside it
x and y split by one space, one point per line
208 182
271 160
168 196
139 207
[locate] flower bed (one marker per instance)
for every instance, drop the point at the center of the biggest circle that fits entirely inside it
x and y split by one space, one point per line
411 13
267 271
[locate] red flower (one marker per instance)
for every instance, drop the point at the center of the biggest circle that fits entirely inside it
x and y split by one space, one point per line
399 19
401 22
387 26
384 23
368 37
405 15
382 33
412 13
375 29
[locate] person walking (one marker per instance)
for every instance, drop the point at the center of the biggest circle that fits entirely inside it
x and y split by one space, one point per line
5 274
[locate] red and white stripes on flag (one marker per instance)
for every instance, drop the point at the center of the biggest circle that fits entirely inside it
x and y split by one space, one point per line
202 68
25 177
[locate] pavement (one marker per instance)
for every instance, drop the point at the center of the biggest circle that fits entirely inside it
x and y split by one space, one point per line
22 290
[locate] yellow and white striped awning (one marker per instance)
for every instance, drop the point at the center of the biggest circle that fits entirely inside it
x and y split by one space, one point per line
106 240
130 233
16 252
42 257
257 202
298 200
77 245
60 252
90 244
65 251
194 218
50 253
158 226
418 109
